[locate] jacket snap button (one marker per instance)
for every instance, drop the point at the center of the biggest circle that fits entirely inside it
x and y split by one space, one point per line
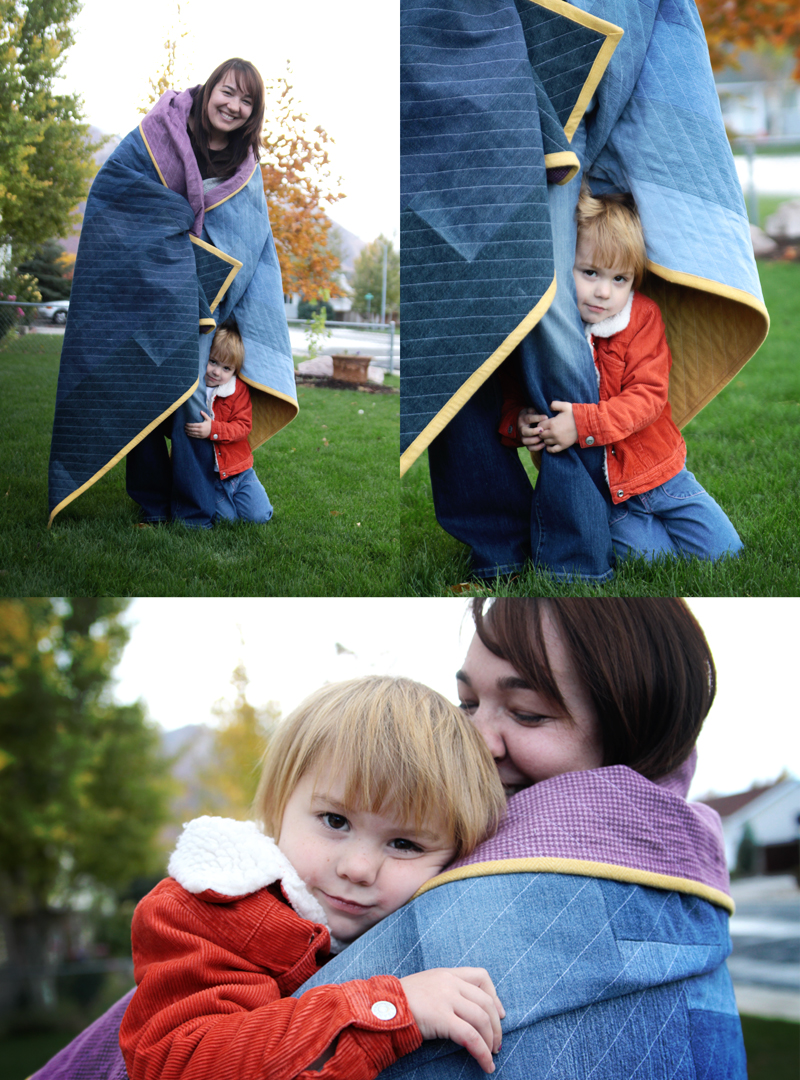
384 1010
620 494
590 440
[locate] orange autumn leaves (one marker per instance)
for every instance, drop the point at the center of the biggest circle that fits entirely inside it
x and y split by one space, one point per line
299 185
732 26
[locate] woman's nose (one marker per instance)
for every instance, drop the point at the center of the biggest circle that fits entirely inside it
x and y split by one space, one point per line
491 735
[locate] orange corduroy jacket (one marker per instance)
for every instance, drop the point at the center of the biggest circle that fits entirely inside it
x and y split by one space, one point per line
213 976
633 420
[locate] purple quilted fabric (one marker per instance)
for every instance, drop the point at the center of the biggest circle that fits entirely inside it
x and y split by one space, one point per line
94 1054
614 815
164 128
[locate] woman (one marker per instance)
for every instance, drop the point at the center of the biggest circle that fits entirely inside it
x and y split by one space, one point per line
601 907
175 241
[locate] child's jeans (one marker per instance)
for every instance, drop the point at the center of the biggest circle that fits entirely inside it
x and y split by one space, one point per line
242 498
677 518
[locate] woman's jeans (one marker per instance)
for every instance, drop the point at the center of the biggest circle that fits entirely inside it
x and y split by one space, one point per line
242 498
481 491
677 518
179 486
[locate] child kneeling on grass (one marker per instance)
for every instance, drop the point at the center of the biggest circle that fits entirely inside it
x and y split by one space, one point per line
240 495
369 788
658 506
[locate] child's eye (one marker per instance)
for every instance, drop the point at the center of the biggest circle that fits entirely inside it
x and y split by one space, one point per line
401 844
335 821
468 706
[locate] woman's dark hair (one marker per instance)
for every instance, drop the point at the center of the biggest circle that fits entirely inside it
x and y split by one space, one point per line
239 141
645 663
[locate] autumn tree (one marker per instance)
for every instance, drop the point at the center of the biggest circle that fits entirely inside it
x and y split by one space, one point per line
46 157
732 26
299 186
228 781
83 787
368 276
173 72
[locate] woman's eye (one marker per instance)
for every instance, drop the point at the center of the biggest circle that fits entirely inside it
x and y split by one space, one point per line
400 844
529 718
467 706
335 821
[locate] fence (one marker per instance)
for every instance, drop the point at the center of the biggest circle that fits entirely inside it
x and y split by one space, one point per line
359 327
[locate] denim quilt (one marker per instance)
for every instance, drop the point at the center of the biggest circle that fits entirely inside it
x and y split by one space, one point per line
146 298
492 93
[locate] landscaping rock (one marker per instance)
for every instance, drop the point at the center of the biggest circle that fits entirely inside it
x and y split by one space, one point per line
763 245
784 224
323 365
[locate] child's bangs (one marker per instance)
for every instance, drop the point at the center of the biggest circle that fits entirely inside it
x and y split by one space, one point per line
392 746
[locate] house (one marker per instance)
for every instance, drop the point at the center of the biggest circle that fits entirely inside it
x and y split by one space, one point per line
773 813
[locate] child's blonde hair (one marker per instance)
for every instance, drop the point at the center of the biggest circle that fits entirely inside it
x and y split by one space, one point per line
610 223
228 348
397 746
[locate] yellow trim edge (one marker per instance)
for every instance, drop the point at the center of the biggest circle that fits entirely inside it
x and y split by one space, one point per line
235 265
613 35
559 160
678 277
475 381
272 393
152 156
582 868
243 186
121 454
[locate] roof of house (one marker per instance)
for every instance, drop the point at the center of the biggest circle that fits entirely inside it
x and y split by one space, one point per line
726 805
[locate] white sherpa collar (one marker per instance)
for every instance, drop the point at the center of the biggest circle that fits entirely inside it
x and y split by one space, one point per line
226 389
235 858
612 325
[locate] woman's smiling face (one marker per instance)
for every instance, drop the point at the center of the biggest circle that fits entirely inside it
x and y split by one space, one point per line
229 108
530 739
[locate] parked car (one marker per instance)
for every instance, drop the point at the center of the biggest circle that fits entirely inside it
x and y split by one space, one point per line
55 311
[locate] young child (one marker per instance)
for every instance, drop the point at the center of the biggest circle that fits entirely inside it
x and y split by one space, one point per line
658 506
369 788
228 422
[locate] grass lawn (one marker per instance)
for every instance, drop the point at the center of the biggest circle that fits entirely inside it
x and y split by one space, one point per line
743 449
331 476
772 1050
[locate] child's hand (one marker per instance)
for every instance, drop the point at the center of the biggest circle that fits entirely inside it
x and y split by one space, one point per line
559 431
459 1004
528 427
199 431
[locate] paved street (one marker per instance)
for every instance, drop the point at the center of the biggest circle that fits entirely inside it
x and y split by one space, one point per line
765 963
374 343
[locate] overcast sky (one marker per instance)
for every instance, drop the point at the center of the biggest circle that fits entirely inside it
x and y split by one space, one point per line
182 653
345 59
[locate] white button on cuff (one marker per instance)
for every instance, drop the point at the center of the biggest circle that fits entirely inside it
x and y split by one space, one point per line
590 440
384 1010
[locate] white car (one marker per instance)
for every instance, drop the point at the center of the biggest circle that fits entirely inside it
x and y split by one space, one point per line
55 311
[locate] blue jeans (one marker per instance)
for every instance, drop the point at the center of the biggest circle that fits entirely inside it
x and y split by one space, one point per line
677 518
177 486
242 498
481 491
